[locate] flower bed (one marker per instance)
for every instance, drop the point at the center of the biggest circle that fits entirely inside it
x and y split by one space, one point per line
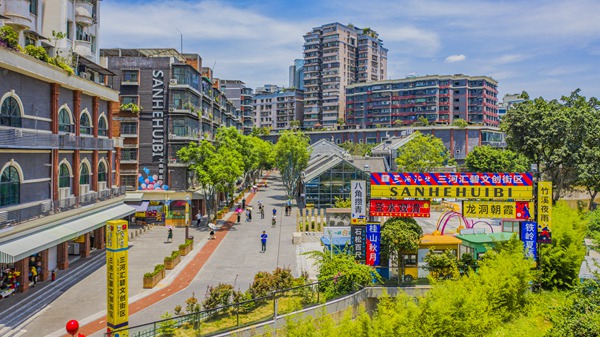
152 279
186 248
173 260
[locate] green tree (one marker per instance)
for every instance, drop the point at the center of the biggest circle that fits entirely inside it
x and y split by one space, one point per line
232 138
442 265
400 236
344 271
550 134
226 170
264 151
461 123
423 153
466 264
202 159
490 159
358 149
579 317
342 202
560 261
291 158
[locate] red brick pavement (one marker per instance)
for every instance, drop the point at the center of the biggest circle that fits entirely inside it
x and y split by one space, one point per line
181 282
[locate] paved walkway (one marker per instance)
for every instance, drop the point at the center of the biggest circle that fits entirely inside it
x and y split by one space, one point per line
233 258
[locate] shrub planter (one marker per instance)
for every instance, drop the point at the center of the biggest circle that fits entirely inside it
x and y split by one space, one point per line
151 279
172 262
185 249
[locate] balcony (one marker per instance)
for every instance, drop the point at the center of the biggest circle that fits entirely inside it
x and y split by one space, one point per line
83 47
27 139
18 13
72 142
84 12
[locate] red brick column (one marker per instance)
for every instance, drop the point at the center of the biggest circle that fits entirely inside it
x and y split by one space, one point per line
22 266
77 111
94 172
99 238
62 255
45 275
84 248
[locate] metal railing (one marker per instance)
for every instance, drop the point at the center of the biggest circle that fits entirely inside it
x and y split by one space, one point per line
213 321
28 139
13 217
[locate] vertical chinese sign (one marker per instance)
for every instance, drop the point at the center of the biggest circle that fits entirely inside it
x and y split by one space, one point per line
373 242
117 284
545 211
359 242
529 238
358 201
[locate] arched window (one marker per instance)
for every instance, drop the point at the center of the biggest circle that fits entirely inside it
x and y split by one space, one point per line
64 176
85 127
64 121
102 126
10 187
10 113
101 172
84 175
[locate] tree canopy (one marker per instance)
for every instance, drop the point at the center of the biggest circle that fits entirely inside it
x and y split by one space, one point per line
423 153
291 158
490 159
358 149
400 236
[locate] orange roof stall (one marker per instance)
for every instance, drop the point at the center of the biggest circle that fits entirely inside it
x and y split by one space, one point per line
439 243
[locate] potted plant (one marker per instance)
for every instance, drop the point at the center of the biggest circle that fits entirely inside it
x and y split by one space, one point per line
186 248
152 279
172 260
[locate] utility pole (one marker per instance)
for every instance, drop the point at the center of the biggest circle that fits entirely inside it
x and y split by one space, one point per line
181 45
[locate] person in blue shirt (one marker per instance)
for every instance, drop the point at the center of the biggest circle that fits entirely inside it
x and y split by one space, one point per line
263 241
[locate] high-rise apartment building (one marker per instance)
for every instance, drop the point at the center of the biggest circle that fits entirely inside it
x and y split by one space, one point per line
241 97
297 75
335 56
279 109
268 89
439 99
508 101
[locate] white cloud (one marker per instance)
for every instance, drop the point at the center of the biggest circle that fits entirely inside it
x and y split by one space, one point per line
455 58
412 39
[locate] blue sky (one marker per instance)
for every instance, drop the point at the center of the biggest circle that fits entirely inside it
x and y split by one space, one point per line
547 48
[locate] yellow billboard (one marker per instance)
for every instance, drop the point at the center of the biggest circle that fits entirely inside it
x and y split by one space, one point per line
117 284
545 205
462 192
497 209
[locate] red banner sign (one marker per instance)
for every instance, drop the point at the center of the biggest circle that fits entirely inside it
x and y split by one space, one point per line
401 208
452 179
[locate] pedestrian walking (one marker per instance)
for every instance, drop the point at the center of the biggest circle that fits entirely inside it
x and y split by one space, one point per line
212 234
262 213
170 235
239 216
247 215
263 241
274 221
244 203
198 218
274 211
34 275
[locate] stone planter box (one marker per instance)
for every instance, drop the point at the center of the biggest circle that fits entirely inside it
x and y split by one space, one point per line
185 251
150 282
169 265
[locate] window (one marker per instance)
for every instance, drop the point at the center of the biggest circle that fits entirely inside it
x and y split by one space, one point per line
64 121
130 76
84 125
102 127
129 99
84 175
410 260
10 187
129 154
30 40
64 176
80 35
129 128
10 113
33 7
102 172
69 30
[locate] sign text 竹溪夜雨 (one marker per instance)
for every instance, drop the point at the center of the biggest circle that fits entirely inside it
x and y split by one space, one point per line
158 122
465 192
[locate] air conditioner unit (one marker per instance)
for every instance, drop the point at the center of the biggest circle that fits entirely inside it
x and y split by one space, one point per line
171 109
64 193
173 81
84 75
101 185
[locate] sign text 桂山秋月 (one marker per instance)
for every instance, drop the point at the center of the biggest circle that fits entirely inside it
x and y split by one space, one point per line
401 208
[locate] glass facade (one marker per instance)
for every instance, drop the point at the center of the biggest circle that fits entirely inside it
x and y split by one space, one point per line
335 182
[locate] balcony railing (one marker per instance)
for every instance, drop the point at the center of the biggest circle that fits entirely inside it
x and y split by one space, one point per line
27 139
15 216
72 142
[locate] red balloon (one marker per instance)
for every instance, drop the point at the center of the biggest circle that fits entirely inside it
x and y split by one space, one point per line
72 327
